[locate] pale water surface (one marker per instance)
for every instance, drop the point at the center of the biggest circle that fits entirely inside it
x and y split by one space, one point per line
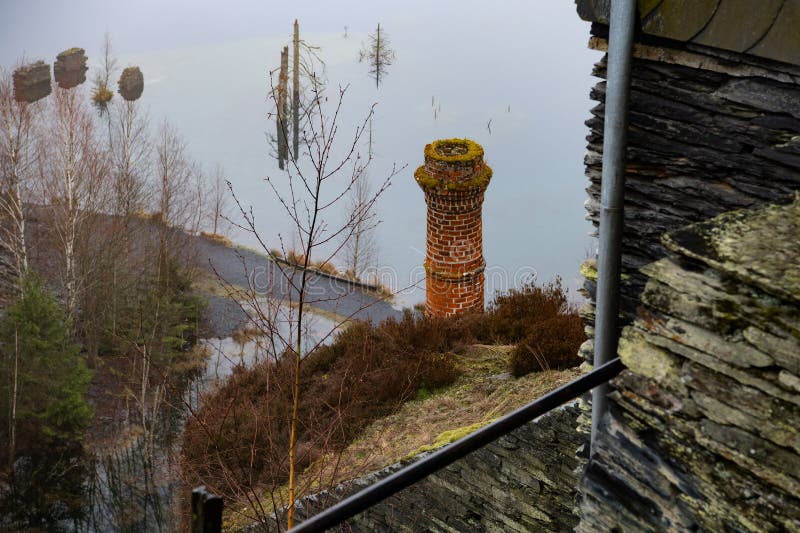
522 65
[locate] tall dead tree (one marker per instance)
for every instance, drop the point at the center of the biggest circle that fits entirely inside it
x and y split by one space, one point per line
308 80
282 101
296 92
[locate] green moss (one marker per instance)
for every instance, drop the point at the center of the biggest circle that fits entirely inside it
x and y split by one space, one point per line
445 438
70 51
471 150
588 269
481 180
424 179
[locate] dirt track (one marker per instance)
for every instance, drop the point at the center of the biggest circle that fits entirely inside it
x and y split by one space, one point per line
245 268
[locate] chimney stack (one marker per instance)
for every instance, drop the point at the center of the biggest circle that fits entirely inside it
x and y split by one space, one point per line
454 179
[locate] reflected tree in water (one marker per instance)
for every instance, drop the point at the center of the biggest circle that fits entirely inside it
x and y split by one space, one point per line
378 54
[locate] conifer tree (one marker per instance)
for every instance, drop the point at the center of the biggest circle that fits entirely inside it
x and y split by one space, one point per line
46 401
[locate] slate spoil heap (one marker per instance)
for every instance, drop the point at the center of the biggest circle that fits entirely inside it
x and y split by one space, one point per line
704 427
32 82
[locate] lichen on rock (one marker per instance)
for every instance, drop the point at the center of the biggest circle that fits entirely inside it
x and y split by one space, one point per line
711 387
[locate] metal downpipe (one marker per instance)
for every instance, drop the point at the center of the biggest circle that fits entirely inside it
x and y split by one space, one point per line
620 48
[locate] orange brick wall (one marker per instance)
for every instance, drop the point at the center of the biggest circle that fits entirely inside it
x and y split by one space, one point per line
454 251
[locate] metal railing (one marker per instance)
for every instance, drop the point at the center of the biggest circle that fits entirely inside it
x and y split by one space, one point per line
449 454
207 509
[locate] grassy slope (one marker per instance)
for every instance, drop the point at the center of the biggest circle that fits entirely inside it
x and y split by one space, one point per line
484 392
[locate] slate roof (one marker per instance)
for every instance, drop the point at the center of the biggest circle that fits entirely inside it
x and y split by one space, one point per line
763 28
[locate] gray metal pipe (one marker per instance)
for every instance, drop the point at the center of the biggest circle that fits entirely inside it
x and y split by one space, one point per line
618 81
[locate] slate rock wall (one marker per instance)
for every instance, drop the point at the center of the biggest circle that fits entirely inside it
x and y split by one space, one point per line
703 429
525 481
710 131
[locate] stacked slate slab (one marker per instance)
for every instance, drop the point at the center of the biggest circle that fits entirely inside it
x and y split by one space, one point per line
70 68
32 82
709 131
703 429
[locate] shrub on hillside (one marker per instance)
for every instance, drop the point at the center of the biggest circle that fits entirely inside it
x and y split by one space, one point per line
510 317
539 319
242 430
549 345
216 238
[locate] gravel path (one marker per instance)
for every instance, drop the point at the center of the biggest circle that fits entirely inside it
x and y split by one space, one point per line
246 268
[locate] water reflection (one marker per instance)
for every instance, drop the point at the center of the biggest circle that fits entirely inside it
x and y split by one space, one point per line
378 54
46 490
136 484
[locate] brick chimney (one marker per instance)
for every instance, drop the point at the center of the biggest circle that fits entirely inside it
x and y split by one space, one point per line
454 178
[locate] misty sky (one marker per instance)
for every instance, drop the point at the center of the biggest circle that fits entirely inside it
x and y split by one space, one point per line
205 66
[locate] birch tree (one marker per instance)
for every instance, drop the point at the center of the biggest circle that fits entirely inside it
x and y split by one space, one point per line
18 155
73 177
131 151
362 247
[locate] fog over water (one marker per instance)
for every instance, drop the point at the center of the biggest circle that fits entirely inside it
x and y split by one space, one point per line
522 65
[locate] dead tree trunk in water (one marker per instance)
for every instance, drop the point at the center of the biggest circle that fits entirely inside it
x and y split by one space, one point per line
283 85
296 92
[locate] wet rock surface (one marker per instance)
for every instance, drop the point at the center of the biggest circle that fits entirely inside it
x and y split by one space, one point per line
706 135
